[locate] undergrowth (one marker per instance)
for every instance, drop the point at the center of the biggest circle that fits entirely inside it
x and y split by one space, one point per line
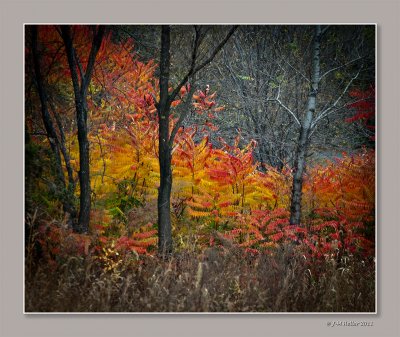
218 279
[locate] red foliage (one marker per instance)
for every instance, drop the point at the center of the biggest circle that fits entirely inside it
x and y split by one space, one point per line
364 107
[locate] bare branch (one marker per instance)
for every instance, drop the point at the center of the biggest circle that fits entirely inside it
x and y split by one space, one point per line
296 70
283 105
216 50
327 111
193 70
323 31
339 67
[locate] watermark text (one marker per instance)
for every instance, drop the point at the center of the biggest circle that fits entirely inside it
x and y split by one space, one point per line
333 324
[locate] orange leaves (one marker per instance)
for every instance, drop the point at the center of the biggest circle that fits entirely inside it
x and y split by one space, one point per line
225 182
198 214
182 91
342 196
143 241
332 224
205 103
140 246
176 103
127 82
347 185
211 126
220 175
276 237
218 109
224 204
212 96
144 235
206 204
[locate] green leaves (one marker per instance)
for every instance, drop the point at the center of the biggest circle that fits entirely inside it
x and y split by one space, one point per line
245 78
117 213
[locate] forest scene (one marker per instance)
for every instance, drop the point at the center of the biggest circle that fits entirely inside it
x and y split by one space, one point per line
200 168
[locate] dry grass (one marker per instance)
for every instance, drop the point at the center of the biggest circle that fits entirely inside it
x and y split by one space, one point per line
214 281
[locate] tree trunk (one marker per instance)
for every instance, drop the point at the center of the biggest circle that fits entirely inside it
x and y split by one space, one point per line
299 165
81 118
165 139
302 147
70 198
164 192
67 159
84 176
80 91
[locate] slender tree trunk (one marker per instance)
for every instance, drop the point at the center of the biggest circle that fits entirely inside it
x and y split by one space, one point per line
84 176
80 91
70 198
302 147
299 165
164 192
63 148
164 195
81 119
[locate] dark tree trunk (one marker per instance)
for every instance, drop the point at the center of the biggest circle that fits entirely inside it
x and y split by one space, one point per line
80 91
164 192
84 176
166 139
302 147
55 143
164 195
67 160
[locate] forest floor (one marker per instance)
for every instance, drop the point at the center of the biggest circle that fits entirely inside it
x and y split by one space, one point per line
215 280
